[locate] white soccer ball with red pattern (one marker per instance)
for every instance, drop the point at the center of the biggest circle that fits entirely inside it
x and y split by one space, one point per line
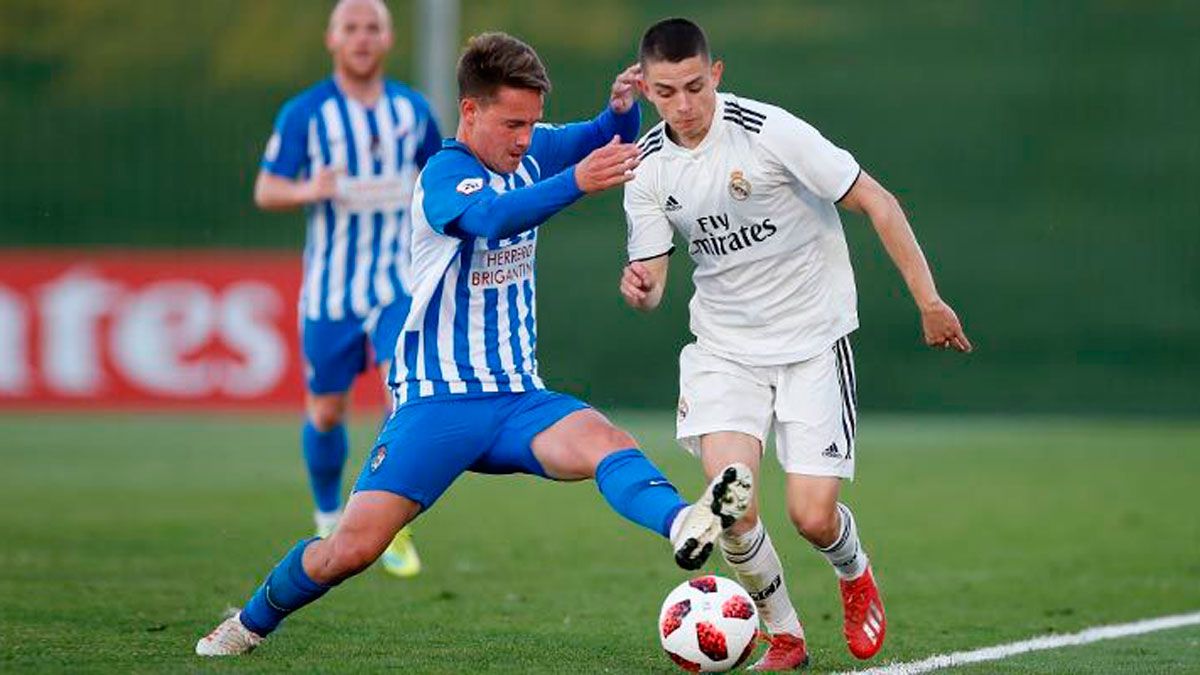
708 624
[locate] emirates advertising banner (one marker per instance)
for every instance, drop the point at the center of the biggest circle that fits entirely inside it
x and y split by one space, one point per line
169 330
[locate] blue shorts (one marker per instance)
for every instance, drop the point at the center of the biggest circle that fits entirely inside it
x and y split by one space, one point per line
426 444
335 352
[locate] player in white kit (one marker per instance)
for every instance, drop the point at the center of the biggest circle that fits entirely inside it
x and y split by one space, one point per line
753 193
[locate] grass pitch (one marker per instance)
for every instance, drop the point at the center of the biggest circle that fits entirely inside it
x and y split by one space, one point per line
125 537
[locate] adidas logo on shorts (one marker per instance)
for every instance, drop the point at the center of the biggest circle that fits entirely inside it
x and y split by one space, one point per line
832 451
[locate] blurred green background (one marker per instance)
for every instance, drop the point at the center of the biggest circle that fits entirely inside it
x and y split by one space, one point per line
1048 154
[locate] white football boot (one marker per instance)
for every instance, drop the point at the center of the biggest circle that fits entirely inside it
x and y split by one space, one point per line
229 638
696 528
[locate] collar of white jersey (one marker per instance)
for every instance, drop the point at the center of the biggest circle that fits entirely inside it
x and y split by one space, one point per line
715 129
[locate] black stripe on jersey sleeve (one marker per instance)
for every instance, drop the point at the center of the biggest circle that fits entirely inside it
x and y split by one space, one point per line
657 255
852 184
752 114
651 138
738 117
650 150
743 123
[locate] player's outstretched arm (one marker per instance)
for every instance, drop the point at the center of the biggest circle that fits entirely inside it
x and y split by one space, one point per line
499 216
643 282
570 143
939 323
276 193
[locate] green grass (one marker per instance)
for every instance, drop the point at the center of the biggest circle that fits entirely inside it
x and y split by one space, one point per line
125 537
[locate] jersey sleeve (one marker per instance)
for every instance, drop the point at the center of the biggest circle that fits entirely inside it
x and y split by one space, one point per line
458 199
558 146
801 151
650 233
451 183
287 150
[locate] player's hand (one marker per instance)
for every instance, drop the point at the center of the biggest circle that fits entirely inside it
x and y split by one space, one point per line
625 89
942 328
607 166
636 284
324 184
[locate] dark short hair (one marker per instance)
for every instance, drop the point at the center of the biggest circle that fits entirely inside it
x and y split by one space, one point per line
673 40
494 60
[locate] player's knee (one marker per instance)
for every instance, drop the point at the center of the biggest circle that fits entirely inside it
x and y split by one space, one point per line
604 441
325 415
615 439
817 525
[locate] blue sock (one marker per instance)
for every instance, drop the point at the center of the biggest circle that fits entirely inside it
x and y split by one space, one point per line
325 455
636 489
289 589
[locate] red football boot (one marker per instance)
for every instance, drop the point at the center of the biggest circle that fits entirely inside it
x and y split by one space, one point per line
865 624
786 652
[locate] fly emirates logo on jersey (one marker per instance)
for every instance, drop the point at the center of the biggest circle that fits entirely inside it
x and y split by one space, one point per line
503 266
716 236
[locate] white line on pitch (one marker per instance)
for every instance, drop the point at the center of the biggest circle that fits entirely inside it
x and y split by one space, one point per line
997 652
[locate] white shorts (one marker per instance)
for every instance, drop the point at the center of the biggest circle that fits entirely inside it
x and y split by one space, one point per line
811 404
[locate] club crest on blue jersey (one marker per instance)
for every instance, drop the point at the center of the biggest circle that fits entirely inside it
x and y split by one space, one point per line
380 455
470 186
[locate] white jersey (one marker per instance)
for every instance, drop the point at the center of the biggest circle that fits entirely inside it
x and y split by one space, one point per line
754 203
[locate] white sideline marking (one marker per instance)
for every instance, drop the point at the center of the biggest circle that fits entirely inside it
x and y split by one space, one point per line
1036 644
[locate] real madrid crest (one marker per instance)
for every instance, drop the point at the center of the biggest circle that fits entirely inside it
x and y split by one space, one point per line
739 187
683 407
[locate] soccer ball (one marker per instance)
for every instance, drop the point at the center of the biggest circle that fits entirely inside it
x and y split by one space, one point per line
708 624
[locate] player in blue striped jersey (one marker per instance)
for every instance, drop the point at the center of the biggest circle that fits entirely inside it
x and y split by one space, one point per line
465 374
348 150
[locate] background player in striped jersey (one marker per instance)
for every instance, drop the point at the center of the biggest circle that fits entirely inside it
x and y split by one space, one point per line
752 191
465 372
348 150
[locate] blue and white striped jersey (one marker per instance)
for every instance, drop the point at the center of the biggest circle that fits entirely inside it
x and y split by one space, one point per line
472 326
356 257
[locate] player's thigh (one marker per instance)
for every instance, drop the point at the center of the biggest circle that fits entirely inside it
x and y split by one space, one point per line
815 417
553 435
335 352
424 446
719 395
575 446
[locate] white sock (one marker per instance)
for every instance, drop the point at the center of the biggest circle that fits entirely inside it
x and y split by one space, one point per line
754 560
327 520
846 554
678 522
